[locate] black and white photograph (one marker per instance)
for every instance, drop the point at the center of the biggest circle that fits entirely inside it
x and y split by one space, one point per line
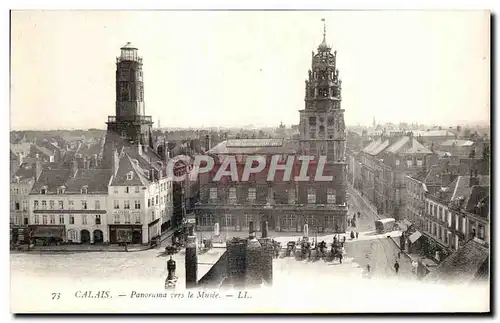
232 161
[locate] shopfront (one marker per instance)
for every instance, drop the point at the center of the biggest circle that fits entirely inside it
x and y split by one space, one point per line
48 234
129 233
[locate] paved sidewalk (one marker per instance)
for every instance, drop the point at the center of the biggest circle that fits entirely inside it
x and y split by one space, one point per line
86 248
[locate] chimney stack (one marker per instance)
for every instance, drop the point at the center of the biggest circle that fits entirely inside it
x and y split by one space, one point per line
253 261
38 169
191 260
74 168
267 255
208 142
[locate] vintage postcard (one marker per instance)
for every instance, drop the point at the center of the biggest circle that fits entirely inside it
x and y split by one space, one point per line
250 161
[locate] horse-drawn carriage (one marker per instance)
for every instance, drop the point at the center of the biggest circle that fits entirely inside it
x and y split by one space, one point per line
321 249
337 251
172 249
290 248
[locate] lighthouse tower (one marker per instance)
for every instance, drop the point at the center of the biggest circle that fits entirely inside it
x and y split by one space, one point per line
130 124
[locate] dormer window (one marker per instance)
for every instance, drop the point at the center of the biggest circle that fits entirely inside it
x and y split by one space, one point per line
61 190
84 190
130 175
43 190
146 173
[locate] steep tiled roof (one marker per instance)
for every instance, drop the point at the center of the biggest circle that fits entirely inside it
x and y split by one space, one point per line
462 265
457 143
395 147
379 148
372 145
96 181
127 165
52 179
417 148
25 171
13 156
461 185
477 194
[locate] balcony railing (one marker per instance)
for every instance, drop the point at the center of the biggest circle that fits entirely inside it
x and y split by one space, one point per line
137 119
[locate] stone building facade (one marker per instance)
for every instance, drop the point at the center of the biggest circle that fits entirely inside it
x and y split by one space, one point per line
287 205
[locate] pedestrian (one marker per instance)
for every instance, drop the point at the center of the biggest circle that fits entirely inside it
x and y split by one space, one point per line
396 267
399 254
344 239
352 235
357 234
368 267
126 248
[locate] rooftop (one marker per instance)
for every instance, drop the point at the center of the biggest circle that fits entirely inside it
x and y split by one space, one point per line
462 265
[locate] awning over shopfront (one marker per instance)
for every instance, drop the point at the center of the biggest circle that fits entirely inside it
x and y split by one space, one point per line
48 232
415 236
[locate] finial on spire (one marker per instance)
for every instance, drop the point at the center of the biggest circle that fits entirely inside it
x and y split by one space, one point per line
324 29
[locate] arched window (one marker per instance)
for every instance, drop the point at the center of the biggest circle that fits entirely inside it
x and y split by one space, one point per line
43 190
130 176
84 189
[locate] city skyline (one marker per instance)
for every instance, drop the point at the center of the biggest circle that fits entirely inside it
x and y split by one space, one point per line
448 66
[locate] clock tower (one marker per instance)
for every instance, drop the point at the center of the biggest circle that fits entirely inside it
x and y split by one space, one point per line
322 127
129 125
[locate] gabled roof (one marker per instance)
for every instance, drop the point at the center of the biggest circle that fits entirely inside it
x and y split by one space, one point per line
396 147
478 194
127 165
96 181
417 148
461 186
52 179
462 265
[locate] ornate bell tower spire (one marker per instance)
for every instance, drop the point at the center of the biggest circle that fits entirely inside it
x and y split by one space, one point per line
322 127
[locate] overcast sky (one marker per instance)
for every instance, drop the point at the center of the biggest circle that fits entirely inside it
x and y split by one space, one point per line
241 68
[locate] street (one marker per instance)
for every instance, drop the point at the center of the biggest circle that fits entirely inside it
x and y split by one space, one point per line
380 253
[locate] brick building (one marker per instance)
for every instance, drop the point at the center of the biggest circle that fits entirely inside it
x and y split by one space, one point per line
287 205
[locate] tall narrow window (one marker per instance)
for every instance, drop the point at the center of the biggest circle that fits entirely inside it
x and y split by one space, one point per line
61 219
232 195
213 193
331 196
311 195
126 204
97 205
71 219
252 194
97 219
